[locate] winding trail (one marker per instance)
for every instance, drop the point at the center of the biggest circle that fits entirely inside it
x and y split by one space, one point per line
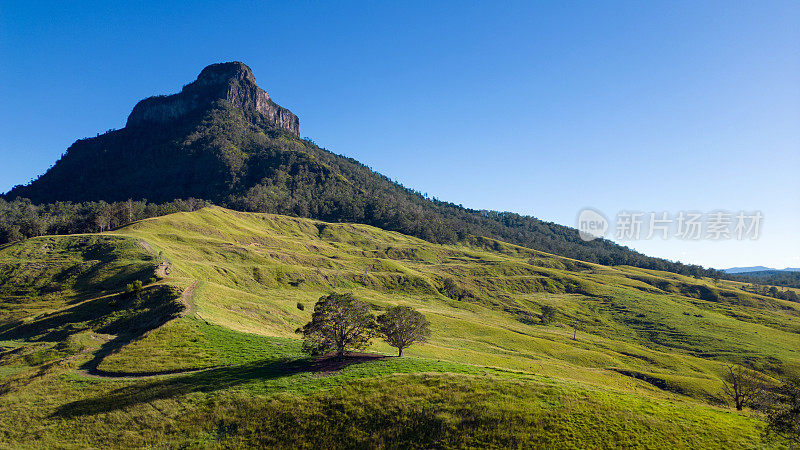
189 308
162 271
186 299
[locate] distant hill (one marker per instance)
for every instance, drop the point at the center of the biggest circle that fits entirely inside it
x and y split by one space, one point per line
788 277
759 269
785 278
746 269
224 140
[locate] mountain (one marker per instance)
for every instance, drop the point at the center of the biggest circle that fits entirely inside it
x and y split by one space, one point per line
192 144
747 269
224 140
232 82
733 270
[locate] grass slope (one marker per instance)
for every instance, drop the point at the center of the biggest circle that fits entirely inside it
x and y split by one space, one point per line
632 354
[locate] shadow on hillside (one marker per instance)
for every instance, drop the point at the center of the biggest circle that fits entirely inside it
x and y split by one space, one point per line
129 315
107 271
72 269
206 381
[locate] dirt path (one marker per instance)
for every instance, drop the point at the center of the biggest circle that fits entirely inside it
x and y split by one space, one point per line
186 300
162 271
147 247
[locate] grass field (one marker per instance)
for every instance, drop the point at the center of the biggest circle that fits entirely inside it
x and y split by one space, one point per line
633 358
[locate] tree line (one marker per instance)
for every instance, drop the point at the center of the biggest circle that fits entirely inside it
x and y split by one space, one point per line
782 278
21 219
772 291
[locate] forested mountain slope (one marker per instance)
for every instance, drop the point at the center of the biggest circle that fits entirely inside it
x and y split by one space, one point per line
223 140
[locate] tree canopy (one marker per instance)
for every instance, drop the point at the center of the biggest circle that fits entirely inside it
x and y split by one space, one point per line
403 326
340 323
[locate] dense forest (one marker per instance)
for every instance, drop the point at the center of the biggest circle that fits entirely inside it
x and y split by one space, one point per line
237 159
770 278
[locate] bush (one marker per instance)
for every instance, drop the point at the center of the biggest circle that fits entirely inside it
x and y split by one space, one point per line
548 314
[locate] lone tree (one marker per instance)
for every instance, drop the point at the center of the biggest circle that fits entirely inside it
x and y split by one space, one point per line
783 414
340 323
742 386
548 314
402 326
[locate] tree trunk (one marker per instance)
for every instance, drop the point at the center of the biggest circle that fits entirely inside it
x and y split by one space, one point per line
399 351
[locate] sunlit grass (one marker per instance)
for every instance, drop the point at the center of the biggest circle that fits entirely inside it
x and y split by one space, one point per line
631 353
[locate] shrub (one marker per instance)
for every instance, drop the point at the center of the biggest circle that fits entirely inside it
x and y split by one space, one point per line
548 314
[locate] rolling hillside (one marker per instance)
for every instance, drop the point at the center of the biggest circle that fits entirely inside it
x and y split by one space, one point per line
633 356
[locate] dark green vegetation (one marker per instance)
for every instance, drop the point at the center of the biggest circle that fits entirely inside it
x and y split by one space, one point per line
403 326
525 347
783 413
339 323
771 278
20 219
239 159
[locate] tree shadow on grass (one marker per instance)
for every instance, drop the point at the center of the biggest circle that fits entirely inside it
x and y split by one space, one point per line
207 381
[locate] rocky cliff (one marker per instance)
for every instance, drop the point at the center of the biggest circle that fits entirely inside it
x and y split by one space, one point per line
233 82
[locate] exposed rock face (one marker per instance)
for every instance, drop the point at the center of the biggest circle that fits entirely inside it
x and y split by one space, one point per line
232 81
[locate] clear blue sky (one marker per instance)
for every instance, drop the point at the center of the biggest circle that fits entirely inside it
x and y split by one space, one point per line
540 108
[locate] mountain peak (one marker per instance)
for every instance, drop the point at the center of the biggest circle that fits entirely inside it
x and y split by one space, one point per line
225 72
233 82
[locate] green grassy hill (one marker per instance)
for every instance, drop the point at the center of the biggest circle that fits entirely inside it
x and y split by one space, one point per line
207 349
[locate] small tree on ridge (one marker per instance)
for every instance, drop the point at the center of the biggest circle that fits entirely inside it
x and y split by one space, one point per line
402 326
742 386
